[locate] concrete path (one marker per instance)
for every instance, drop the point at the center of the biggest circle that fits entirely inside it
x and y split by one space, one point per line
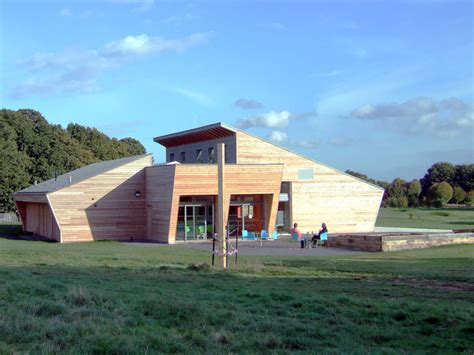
266 248
270 248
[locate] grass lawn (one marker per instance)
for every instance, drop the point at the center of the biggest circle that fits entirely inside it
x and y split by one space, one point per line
108 297
440 218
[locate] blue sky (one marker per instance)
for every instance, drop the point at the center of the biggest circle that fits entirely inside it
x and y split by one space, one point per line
380 87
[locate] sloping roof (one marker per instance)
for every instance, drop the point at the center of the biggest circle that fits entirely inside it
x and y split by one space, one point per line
220 130
195 135
78 175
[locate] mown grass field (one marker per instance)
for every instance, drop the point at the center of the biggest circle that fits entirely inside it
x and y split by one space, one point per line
108 297
439 218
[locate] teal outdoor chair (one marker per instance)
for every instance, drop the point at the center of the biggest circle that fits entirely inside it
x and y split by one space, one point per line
275 235
251 236
324 236
294 236
264 234
245 234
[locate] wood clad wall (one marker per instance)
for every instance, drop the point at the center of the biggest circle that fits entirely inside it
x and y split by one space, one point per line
344 203
38 218
159 201
104 206
201 179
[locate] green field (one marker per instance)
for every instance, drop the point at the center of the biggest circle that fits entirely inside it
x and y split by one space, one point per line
440 218
108 297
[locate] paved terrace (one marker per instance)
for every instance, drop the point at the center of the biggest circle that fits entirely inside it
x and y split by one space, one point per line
281 247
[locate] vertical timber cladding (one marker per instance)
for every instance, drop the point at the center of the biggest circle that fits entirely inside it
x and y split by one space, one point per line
345 203
104 206
36 215
167 183
159 201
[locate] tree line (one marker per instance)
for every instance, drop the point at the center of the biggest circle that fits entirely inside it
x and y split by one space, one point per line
443 183
31 149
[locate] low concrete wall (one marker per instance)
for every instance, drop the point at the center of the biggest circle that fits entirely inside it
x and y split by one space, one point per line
402 241
392 243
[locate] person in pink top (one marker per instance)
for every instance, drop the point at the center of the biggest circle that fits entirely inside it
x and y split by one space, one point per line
296 231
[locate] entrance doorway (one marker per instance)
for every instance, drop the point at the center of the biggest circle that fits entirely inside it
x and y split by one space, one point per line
244 216
195 222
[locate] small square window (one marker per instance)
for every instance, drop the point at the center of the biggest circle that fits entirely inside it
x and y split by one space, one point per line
306 174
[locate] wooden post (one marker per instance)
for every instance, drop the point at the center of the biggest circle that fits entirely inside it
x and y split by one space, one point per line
221 230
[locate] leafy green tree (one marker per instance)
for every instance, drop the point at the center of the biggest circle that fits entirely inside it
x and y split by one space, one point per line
470 198
398 188
438 172
459 195
439 194
13 166
413 193
31 150
464 176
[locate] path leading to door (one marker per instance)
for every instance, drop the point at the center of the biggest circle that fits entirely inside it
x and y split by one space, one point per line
266 248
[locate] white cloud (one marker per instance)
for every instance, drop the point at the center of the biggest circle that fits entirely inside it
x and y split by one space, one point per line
248 104
281 138
272 119
278 137
445 118
79 70
142 44
197 97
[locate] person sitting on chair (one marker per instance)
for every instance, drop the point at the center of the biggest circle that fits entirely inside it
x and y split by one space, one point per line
316 237
296 231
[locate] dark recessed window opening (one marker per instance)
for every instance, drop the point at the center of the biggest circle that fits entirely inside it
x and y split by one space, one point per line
210 155
183 157
198 155
171 157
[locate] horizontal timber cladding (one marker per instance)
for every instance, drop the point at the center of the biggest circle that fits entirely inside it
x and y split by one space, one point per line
104 206
343 202
167 183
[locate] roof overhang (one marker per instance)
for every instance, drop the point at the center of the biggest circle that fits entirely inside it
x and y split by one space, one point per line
196 135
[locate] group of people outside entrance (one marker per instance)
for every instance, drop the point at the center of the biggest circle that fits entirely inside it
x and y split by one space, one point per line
321 235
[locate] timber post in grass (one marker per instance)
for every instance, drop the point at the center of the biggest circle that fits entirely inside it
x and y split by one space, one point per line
221 230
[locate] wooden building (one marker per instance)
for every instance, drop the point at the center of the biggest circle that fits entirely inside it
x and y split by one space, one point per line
267 187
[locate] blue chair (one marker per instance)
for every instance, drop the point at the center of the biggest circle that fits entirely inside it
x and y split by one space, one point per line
251 236
275 235
324 236
245 234
264 234
294 236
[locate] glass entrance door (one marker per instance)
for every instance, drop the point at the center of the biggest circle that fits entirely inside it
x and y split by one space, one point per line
195 222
